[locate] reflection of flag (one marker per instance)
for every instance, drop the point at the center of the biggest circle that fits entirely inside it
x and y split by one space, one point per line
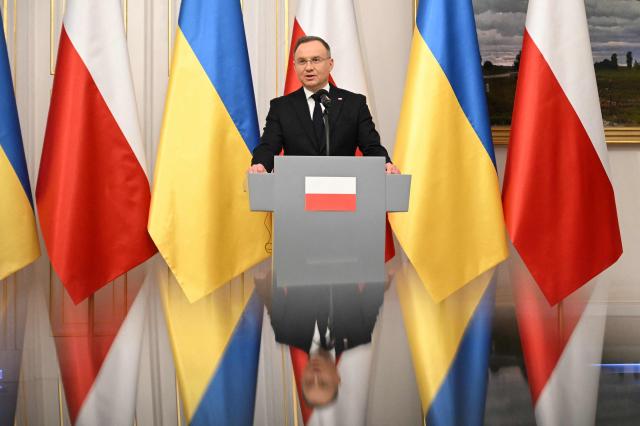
335 21
19 242
93 193
560 212
562 347
98 343
450 344
559 203
200 217
453 233
216 347
93 199
330 193
454 229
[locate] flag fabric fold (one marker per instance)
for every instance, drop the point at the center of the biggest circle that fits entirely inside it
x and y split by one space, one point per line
93 199
93 192
560 212
100 369
19 244
453 233
450 343
454 229
557 181
200 217
216 348
562 347
209 130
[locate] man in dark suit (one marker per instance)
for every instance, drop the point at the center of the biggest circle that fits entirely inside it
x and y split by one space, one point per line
295 124
346 313
324 321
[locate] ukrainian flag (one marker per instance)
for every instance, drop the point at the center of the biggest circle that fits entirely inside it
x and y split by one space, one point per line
454 232
454 229
216 347
200 218
19 244
450 343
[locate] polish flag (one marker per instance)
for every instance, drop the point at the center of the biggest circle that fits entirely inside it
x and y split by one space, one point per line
560 212
562 347
329 193
559 203
93 202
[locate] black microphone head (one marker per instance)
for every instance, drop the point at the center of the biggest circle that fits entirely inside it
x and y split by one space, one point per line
324 98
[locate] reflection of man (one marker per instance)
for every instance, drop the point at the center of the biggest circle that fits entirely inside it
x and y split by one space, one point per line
295 123
324 321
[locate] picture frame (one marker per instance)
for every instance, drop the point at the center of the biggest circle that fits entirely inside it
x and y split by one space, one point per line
616 52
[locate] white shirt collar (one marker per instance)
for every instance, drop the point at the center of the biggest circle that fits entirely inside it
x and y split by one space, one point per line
308 93
315 342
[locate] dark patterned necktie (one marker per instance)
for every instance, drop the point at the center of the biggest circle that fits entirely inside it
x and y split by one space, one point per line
318 122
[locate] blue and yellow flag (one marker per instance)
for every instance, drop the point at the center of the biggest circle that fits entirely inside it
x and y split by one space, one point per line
454 232
450 343
200 218
216 347
454 229
19 244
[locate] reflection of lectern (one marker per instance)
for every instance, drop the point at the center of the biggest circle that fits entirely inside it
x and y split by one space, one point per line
329 217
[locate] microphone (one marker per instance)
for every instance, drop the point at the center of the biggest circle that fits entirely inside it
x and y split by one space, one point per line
324 98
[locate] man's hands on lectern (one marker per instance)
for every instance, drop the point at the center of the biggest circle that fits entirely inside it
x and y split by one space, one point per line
257 168
391 169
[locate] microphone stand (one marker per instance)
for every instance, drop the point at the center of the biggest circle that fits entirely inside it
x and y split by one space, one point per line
326 102
325 118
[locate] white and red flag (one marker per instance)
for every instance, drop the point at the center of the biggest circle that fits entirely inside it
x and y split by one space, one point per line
559 203
330 193
335 21
562 348
560 211
93 203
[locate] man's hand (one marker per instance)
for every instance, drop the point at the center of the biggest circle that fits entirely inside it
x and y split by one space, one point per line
257 168
391 169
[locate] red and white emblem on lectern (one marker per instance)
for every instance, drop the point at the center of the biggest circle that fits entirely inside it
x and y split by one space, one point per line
329 193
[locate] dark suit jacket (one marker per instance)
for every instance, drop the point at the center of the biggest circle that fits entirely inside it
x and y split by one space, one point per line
289 127
353 311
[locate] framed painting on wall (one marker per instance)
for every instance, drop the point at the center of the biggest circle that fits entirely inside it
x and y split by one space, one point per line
614 28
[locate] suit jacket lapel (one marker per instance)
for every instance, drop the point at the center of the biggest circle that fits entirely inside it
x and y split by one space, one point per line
336 107
301 108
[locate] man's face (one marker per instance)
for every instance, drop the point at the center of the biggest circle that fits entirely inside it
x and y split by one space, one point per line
312 76
320 380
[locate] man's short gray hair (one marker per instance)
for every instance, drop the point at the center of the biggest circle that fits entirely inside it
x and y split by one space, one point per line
307 39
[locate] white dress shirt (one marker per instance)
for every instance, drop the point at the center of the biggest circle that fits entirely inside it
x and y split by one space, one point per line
315 342
311 102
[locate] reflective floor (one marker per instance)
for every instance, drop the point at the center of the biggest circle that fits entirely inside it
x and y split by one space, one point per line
508 397
373 344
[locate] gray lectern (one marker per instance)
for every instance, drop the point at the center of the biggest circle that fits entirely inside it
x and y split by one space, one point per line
329 217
